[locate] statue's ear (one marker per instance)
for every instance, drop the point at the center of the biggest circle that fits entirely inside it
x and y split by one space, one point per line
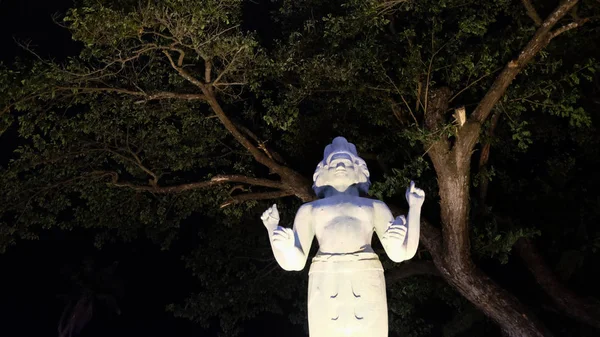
317 171
362 166
363 178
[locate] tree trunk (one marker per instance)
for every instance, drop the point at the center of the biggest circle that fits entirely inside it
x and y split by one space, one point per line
459 270
452 166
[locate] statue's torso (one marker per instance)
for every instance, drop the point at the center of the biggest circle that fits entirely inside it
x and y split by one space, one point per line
346 295
343 224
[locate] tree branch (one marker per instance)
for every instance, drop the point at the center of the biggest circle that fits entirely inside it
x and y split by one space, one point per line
163 95
290 178
135 161
146 97
228 67
532 13
580 309
183 73
248 180
262 145
540 40
411 268
473 83
229 125
105 89
568 27
9 106
434 114
438 146
256 196
214 181
207 70
139 163
483 163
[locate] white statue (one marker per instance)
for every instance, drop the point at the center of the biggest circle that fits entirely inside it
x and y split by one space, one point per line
346 288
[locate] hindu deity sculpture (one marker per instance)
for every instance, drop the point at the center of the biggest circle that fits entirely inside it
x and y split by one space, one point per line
346 288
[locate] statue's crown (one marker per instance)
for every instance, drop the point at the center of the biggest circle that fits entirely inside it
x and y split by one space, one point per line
339 145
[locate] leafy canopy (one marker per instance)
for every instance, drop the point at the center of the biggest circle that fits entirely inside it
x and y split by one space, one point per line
126 137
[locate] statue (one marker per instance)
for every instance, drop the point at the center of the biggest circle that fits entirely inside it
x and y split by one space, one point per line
346 288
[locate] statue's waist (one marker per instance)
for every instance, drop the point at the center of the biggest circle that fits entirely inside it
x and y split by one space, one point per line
349 262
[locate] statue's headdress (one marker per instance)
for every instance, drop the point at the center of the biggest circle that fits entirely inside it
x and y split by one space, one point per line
337 146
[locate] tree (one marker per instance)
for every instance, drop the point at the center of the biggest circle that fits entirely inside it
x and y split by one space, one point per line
175 107
91 289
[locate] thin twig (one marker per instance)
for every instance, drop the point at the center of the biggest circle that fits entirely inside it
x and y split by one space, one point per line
227 68
473 83
401 96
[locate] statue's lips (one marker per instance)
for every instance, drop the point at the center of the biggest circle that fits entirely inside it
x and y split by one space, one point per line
340 171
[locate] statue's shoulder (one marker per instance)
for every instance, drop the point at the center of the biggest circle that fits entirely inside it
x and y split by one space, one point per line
378 204
369 202
308 206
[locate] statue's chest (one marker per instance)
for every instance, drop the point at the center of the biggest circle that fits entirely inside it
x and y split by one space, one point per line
344 218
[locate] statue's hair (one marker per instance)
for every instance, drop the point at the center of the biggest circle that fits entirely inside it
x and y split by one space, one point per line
341 145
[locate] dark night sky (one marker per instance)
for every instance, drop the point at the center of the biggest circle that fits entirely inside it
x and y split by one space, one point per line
32 20
30 273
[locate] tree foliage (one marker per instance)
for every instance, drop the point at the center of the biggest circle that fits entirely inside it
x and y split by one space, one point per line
176 112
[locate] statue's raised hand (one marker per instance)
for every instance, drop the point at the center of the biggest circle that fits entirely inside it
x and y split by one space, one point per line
414 195
396 233
270 218
283 238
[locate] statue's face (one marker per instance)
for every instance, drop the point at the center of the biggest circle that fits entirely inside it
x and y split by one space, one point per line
341 170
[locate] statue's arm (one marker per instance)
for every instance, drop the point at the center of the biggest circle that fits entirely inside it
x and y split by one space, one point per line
400 237
413 232
293 254
393 243
415 198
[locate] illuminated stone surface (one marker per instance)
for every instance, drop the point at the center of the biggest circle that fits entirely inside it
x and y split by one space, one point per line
346 289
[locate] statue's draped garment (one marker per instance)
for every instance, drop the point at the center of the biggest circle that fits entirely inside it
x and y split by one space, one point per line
346 295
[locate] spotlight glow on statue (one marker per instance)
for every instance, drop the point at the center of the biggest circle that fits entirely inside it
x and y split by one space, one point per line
346 288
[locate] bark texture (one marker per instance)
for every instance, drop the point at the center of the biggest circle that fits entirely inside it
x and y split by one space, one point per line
455 264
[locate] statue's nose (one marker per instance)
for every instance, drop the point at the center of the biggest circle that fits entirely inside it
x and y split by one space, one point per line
340 164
